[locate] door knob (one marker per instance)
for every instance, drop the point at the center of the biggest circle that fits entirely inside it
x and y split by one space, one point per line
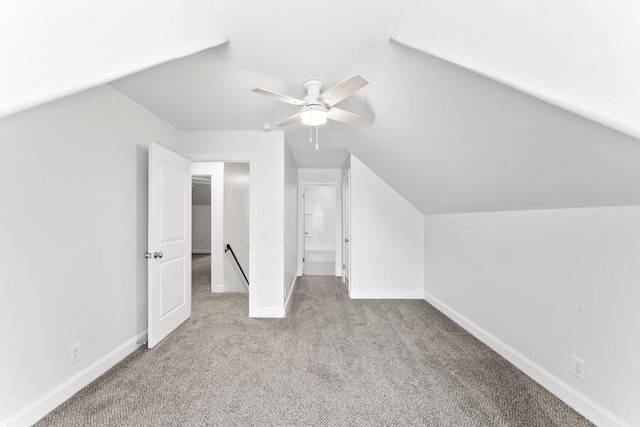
147 255
157 254
346 240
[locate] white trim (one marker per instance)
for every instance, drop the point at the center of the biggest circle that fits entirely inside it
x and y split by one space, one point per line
250 158
387 294
337 185
267 312
215 172
35 411
290 296
582 404
219 288
200 251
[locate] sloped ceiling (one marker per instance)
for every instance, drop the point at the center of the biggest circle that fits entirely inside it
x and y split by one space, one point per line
580 55
443 135
53 49
451 140
276 45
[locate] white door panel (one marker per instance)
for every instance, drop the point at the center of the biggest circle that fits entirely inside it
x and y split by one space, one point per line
346 231
169 242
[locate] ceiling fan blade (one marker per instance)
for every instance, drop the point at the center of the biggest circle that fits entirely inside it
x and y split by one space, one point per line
342 116
343 90
280 97
289 120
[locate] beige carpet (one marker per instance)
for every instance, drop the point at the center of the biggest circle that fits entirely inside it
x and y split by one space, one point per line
332 362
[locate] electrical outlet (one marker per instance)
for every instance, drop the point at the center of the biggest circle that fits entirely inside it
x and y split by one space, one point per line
577 367
74 353
400 281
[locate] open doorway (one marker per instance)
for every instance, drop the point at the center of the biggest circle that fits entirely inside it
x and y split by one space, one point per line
201 231
236 227
221 229
319 229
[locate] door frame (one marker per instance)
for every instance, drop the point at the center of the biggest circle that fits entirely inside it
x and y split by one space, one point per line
338 222
346 222
213 170
253 198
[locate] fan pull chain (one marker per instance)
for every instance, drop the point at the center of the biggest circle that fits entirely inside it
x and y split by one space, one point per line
311 136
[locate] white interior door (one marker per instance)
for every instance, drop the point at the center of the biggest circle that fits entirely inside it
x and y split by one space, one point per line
169 242
305 232
346 232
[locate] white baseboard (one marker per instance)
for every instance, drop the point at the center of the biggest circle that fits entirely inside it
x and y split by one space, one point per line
387 294
200 251
47 403
582 404
219 288
290 296
266 312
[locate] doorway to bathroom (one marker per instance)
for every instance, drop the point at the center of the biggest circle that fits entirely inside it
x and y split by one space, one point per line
319 229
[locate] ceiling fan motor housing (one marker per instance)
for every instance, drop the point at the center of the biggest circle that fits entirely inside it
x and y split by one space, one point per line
313 113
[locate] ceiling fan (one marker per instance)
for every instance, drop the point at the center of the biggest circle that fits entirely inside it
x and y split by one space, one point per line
317 107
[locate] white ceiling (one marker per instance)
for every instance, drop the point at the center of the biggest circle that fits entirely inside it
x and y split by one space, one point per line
446 138
276 45
450 140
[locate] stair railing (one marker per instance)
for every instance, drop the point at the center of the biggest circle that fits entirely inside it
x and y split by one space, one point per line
237 262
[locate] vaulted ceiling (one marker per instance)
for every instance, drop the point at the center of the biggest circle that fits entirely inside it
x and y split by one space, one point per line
276 45
472 106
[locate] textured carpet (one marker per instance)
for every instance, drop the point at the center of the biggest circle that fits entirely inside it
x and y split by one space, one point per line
333 362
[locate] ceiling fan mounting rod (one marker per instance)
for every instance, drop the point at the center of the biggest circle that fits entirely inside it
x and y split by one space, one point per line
313 88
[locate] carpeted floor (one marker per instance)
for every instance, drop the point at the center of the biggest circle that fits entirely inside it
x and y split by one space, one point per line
332 362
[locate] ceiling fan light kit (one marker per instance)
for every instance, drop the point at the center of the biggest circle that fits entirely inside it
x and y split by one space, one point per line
316 107
314 115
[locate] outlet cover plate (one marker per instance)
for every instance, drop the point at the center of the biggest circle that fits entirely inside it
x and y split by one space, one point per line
74 353
577 367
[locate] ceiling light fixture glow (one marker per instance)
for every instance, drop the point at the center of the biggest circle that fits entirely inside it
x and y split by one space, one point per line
314 115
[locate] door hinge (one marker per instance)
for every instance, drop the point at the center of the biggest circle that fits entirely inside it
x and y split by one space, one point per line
302 259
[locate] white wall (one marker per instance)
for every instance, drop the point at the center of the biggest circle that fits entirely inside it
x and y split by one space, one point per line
387 244
236 225
541 286
290 209
578 55
52 49
73 185
321 177
266 154
201 228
